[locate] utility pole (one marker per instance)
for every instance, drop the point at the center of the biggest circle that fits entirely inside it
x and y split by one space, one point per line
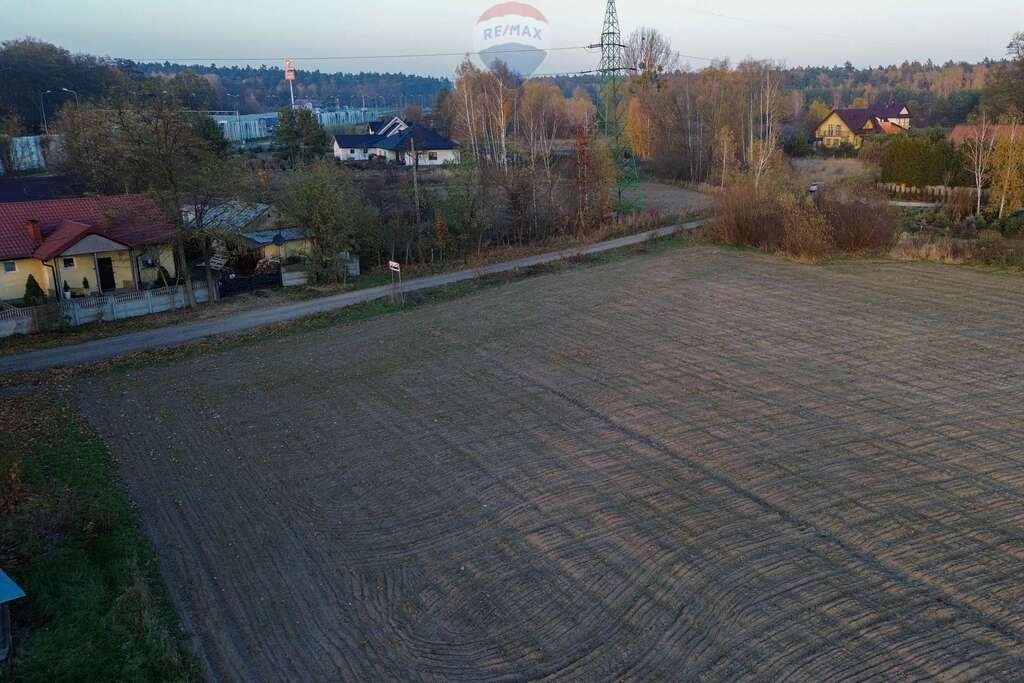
613 71
415 178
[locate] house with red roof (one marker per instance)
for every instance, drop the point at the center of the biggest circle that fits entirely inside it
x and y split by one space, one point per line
84 246
851 126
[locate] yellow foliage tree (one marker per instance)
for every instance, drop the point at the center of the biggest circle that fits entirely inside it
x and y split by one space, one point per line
640 129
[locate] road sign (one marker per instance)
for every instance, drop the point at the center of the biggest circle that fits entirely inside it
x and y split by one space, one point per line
394 267
289 70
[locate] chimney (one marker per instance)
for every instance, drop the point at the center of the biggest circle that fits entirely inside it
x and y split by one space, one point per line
34 233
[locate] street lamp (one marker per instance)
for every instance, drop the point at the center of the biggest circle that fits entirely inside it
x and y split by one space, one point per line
42 109
73 92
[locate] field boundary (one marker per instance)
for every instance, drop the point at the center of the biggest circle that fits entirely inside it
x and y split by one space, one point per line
110 347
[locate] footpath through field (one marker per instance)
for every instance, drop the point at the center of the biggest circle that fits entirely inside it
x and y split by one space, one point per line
163 337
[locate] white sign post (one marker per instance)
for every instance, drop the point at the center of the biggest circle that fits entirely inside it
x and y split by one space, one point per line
396 285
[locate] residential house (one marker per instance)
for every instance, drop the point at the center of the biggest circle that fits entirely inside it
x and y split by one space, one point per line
93 245
278 243
256 225
851 126
397 142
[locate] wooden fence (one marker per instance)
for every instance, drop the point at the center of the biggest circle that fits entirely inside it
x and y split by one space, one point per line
95 309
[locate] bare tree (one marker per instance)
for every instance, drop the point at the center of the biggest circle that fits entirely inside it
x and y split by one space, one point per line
977 149
764 131
648 54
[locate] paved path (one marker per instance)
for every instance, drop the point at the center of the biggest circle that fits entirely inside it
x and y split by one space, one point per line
904 204
163 337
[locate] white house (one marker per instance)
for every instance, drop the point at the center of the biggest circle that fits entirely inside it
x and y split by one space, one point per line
395 141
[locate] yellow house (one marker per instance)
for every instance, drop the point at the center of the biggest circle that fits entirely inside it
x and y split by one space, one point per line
851 126
278 243
84 246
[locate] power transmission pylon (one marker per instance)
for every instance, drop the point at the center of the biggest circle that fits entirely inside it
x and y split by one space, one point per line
613 72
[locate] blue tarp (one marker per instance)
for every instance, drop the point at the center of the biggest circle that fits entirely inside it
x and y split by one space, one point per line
8 589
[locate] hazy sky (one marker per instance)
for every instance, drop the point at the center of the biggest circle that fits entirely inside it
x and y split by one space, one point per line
799 33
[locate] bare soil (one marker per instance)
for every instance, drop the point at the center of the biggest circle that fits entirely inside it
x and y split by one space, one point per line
699 465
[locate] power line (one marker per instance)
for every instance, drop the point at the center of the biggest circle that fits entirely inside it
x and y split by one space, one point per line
197 60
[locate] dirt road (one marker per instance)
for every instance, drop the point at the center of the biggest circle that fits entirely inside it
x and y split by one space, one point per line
703 465
164 337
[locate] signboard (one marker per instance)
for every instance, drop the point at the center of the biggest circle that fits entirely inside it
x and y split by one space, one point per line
394 267
289 70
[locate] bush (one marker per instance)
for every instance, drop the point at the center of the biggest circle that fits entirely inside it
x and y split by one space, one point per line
807 233
742 217
960 203
860 223
34 294
781 217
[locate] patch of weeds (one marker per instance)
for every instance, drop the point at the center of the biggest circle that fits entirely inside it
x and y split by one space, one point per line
95 606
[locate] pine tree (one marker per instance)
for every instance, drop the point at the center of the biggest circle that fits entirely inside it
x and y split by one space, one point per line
34 294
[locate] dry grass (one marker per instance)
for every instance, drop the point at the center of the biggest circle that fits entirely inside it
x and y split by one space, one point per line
990 250
780 216
862 220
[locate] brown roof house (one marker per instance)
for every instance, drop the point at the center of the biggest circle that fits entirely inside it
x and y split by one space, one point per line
851 126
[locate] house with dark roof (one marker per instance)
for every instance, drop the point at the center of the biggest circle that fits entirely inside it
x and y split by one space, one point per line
397 142
84 245
851 126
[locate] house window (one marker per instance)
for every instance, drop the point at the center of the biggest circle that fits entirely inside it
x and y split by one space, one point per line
10 266
69 262
432 156
351 151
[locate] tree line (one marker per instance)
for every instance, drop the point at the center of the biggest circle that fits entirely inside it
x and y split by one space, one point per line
34 75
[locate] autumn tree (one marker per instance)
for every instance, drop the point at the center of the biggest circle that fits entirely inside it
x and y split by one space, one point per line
326 202
1007 194
640 128
144 142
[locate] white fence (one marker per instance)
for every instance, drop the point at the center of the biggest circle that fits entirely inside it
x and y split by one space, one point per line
95 309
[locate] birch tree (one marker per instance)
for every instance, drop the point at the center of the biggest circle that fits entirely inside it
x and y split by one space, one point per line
978 148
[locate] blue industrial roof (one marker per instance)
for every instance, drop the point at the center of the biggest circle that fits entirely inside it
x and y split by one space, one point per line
8 589
264 237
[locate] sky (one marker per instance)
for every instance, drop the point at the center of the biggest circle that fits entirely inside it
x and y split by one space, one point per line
316 32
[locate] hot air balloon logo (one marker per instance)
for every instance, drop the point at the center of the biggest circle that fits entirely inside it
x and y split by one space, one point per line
514 33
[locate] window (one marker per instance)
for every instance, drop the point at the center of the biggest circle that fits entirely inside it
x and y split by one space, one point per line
10 266
69 261
351 151
432 156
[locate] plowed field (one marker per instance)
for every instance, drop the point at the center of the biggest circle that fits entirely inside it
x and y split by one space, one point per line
696 465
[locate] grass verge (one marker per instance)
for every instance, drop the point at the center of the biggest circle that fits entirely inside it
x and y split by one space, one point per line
95 606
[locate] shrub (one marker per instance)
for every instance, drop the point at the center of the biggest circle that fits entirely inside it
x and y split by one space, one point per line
807 233
34 294
860 223
960 203
743 217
